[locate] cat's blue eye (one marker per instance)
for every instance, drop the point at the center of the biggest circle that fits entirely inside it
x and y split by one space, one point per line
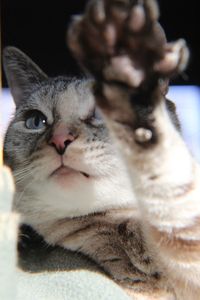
35 120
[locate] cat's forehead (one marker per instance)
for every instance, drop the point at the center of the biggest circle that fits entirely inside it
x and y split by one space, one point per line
64 98
76 99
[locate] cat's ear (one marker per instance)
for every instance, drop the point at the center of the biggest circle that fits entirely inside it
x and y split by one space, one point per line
21 72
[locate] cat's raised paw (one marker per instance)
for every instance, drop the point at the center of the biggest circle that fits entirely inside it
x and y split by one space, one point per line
122 41
112 38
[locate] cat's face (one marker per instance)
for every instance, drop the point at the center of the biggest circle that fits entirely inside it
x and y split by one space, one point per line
59 149
59 126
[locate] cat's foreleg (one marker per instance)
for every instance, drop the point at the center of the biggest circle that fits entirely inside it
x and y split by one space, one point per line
114 241
126 51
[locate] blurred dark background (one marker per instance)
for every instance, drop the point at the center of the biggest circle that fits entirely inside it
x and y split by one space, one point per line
39 29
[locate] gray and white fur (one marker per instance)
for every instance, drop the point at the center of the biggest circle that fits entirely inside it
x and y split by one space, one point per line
71 184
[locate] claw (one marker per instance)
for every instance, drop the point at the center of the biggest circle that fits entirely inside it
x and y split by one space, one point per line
73 36
110 35
96 11
175 59
152 9
137 18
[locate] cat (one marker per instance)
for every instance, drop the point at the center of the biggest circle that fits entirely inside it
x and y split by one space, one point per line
121 44
85 203
72 186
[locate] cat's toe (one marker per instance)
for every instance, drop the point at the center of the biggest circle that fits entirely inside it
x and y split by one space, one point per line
117 40
175 58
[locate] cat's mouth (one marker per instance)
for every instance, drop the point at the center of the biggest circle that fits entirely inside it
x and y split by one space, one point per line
67 171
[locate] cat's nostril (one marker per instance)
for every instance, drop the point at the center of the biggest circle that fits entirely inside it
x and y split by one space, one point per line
61 147
60 143
67 143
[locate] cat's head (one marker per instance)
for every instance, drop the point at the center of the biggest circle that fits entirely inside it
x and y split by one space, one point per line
58 146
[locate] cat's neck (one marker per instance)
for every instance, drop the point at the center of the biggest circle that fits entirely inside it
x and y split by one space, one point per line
55 230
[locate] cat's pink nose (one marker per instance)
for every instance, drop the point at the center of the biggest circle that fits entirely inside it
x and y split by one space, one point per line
61 139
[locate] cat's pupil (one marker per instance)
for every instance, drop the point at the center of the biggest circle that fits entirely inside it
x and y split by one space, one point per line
36 121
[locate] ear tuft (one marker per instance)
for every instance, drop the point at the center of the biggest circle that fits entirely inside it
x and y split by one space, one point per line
21 72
